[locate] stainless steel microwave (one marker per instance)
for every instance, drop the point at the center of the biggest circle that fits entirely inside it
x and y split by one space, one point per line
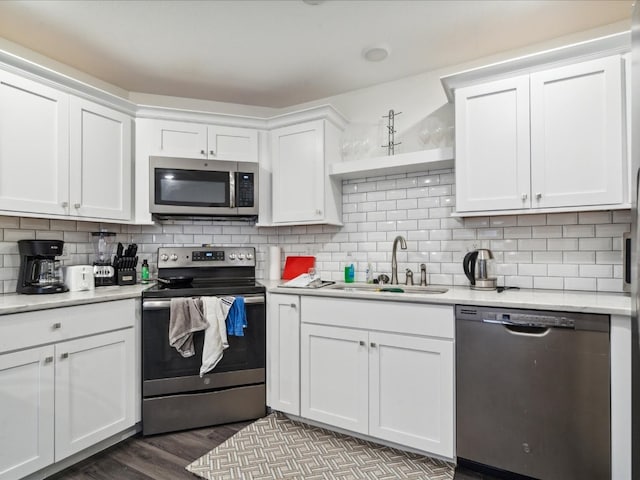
195 187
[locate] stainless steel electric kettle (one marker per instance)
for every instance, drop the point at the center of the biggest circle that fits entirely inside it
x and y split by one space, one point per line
478 266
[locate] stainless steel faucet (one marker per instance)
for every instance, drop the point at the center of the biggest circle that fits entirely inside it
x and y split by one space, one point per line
394 262
423 275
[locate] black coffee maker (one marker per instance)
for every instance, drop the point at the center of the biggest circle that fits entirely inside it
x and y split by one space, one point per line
39 270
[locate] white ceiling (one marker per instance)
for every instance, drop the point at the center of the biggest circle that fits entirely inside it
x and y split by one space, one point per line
278 53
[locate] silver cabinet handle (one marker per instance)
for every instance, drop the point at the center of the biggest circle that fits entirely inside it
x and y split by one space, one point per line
362 343
212 152
293 305
538 196
76 205
57 325
202 152
524 196
64 355
48 359
65 204
373 345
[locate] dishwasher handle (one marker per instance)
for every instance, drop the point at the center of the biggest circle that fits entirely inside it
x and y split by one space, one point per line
541 323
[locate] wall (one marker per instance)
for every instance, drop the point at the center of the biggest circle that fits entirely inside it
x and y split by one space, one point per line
573 251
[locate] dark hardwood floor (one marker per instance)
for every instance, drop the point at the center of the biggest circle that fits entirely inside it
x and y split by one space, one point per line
158 457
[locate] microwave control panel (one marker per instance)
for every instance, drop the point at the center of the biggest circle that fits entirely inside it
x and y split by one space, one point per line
244 189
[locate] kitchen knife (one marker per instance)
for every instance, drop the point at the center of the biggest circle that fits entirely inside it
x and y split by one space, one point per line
120 249
134 250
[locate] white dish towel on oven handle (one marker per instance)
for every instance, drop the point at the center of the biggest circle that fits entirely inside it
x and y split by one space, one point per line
215 336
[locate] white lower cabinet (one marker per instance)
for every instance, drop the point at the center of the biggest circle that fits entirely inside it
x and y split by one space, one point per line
62 397
334 380
94 394
283 353
26 411
383 369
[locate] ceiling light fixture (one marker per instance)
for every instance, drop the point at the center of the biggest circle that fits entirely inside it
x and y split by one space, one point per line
376 53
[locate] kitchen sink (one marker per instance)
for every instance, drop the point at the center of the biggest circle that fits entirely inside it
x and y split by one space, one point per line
365 287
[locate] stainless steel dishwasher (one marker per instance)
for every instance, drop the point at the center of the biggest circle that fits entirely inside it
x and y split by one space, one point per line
533 393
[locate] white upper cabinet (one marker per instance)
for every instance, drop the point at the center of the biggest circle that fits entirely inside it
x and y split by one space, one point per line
81 152
196 140
302 190
576 134
232 143
178 139
34 138
100 173
492 145
545 141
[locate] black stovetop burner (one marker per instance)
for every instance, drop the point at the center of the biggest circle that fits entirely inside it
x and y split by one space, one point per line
199 289
213 271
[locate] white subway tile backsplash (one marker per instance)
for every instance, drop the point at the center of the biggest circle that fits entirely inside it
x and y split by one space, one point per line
533 219
557 250
595 243
518 232
565 270
532 269
553 283
532 244
574 283
547 257
578 231
598 271
546 231
594 217
609 285
562 218
562 244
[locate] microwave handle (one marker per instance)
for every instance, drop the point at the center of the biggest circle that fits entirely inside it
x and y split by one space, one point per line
232 189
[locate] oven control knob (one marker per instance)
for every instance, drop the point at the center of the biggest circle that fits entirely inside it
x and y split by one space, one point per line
241 256
249 256
164 257
174 257
232 256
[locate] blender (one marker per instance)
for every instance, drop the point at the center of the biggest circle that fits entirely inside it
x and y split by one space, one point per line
104 273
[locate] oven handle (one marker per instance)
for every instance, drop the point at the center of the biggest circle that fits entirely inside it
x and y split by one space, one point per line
162 304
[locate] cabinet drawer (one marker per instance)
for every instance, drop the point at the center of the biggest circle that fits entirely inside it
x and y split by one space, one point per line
397 317
22 330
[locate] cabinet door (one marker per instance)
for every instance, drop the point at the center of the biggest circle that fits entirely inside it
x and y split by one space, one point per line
34 147
232 143
411 391
298 172
283 353
179 139
94 390
100 180
26 413
576 134
492 146
334 379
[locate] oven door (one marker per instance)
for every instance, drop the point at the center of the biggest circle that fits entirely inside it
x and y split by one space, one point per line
165 371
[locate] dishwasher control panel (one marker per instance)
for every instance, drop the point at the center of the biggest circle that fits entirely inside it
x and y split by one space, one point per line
533 318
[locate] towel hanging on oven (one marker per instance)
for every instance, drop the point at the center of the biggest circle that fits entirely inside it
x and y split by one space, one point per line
237 318
215 336
185 318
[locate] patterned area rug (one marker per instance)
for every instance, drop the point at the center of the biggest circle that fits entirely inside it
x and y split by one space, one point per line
276 447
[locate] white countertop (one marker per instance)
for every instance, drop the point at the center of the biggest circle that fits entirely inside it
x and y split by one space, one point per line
562 300
15 303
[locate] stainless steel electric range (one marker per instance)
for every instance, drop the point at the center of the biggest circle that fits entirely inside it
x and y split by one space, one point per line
174 397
